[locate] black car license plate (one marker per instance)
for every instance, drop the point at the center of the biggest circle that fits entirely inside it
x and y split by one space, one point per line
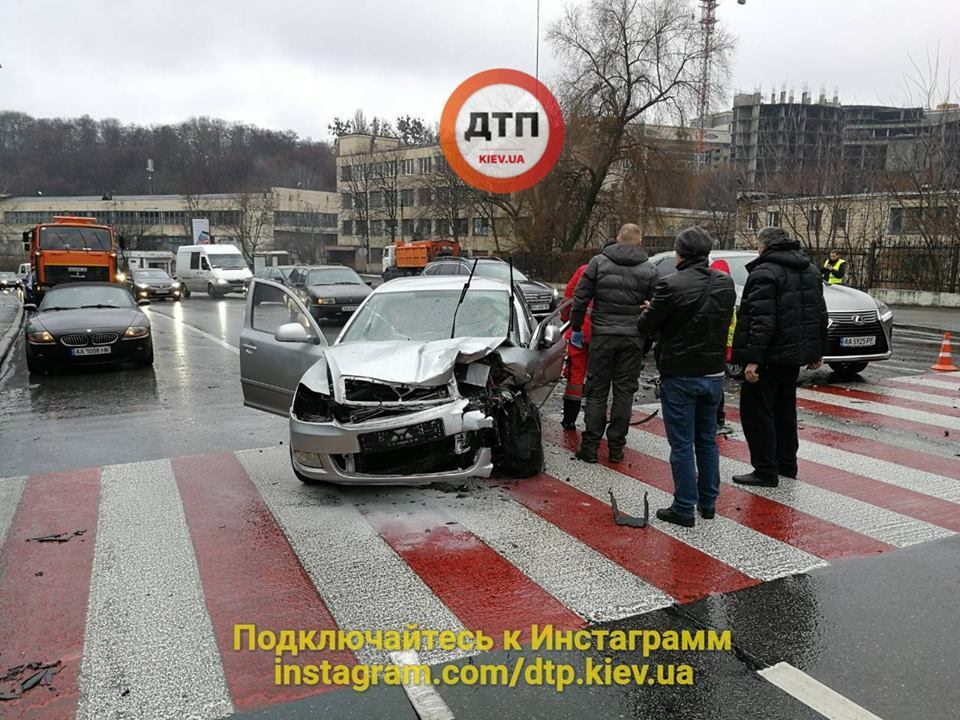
384 440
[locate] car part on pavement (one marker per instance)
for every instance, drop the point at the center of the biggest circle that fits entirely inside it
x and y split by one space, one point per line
623 519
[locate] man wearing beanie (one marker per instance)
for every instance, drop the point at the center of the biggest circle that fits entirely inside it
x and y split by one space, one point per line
691 310
618 282
782 325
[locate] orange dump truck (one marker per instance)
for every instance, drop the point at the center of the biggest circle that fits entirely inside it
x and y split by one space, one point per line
70 249
410 258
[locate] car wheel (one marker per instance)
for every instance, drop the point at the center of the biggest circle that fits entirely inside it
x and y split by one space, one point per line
519 453
35 366
184 292
848 369
211 291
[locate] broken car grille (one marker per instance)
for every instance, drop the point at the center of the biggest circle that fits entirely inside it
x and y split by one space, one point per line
369 391
384 440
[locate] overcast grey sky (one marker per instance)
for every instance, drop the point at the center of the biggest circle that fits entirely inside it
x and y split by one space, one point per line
296 63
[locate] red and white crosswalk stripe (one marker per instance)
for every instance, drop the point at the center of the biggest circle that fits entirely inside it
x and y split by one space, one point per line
170 555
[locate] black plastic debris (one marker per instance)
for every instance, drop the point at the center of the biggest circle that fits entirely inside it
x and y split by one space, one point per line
648 418
57 537
623 519
22 678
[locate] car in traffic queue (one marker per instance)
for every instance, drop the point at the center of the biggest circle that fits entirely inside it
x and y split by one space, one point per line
153 283
432 379
277 273
859 328
214 269
9 283
542 298
87 324
331 292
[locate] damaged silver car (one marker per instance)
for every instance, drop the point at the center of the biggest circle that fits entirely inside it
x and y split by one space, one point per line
431 379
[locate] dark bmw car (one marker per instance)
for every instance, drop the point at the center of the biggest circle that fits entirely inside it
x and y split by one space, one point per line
87 324
541 298
329 291
151 283
9 282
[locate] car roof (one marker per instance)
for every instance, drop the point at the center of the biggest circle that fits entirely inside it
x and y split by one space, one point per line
210 248
440 282
63 286
320 267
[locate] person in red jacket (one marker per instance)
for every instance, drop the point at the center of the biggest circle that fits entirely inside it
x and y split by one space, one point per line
575 364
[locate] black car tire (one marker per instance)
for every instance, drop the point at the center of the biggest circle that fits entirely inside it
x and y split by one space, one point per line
212 292
520 450
35 366
848 369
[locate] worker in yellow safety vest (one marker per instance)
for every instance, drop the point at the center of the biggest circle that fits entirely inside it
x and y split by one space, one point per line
834 268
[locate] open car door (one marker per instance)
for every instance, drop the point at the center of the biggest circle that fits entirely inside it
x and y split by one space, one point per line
547 342
279 342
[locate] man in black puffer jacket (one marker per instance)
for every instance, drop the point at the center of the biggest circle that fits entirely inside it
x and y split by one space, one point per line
691 311
618 281
782 325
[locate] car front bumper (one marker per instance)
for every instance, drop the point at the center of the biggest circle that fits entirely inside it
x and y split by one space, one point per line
326 451
120 351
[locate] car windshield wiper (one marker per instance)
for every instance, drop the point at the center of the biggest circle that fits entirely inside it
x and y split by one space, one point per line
99 305
57 307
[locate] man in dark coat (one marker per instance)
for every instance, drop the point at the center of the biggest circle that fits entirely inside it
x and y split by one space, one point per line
782 325
618 282
691 311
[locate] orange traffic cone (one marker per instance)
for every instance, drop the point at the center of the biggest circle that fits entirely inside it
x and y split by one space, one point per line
944 362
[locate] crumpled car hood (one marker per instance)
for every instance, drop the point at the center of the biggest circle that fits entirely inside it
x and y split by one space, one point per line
398 362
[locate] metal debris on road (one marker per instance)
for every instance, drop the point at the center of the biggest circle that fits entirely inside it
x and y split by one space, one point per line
21 678
623 519
57 537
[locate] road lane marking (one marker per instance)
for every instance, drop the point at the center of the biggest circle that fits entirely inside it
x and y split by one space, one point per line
678 569
203 333
899 414
588 583
893 396
814 694
151 649
425 699
940 381
753 553
250 575
43 593
943 390
351 566
856 413
468 576
10 491
886 526
821 537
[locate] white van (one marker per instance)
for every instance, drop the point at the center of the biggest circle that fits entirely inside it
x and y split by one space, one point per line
213 269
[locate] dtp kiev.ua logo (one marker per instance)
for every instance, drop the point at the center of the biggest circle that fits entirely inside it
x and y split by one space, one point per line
501 131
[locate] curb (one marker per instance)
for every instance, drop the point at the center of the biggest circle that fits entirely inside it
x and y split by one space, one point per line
925 328
9 338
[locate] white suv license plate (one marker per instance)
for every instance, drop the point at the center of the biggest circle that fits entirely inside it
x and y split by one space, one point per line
863 341
100 350
540 307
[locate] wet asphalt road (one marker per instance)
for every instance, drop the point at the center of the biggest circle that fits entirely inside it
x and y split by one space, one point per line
881 630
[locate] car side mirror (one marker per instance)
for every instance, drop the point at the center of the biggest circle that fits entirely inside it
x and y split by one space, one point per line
293 332
29 307
369 283
143 301
551 334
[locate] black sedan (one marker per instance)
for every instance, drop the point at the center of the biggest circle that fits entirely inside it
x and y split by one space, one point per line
87 324
153 283
541 298
329 291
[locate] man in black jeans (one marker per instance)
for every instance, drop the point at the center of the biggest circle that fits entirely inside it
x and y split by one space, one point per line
691 311
619 281
782 325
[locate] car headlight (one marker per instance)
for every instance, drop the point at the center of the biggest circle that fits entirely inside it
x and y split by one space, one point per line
556 293
41 337
136 331
326 301
221 281
175 285
885 312
121 277
142 286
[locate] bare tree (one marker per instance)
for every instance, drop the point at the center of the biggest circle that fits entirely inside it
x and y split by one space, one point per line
717 188
625 61
245 220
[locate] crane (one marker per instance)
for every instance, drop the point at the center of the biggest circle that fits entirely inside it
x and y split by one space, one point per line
708 19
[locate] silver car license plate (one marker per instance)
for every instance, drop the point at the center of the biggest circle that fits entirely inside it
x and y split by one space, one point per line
349 308
862 341
540 307
101 350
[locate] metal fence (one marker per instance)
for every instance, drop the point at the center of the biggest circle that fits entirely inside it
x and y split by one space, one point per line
900 265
